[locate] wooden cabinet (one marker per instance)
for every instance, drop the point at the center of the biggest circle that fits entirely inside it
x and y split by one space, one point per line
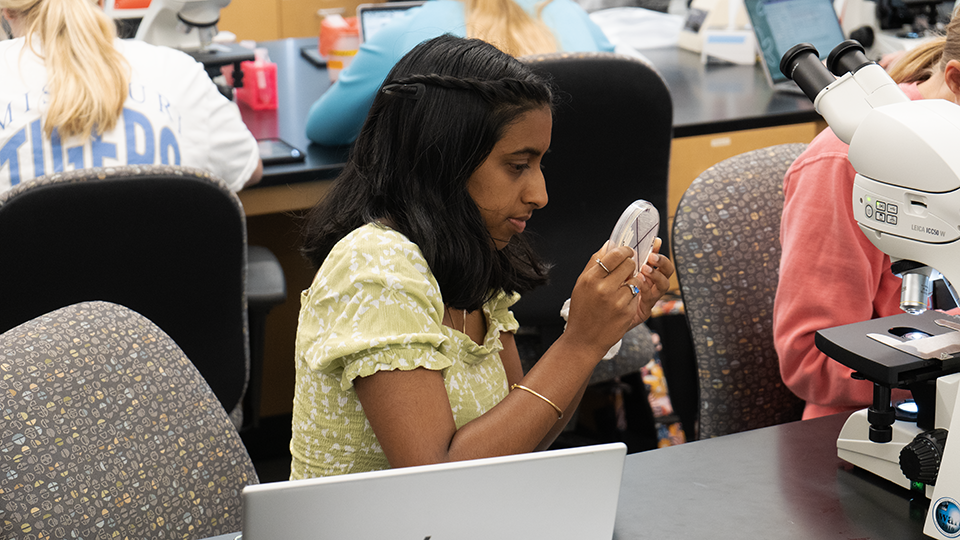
690 156
258 20
264 20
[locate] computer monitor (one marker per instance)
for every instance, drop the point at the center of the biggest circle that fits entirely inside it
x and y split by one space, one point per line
373 17
781 24
554 494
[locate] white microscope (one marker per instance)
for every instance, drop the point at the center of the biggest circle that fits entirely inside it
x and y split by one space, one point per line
906 200
887 26
189 25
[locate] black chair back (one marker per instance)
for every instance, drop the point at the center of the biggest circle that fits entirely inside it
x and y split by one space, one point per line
167 242
611 146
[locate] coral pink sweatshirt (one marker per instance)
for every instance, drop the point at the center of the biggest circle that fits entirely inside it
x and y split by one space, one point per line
830 275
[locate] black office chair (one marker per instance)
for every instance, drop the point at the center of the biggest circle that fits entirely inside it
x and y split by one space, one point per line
168 242
109 431
726 247
611 146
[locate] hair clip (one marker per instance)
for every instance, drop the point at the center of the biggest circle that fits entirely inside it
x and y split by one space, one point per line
406 91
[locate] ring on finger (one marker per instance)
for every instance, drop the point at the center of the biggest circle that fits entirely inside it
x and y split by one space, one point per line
633 288
605 269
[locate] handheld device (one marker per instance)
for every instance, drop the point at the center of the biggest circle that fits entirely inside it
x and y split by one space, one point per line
637 228
274 151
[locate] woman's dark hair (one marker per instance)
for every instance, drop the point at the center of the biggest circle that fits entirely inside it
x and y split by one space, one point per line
434 121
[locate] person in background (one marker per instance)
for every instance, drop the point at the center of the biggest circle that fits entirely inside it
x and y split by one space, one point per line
405 350
518 27
73 96
830 273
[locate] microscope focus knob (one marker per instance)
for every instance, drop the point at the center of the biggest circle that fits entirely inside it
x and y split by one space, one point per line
920 459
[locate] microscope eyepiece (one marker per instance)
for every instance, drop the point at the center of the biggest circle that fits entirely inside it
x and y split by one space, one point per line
791 58
847 56
802 64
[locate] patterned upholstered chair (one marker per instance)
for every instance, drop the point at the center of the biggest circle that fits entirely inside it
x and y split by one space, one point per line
169 242
726 245
108 431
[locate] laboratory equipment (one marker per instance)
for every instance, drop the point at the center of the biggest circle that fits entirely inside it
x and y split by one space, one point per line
637 228
888 26
189 25
906 200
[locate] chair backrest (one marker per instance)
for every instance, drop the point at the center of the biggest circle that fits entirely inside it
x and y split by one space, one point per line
168 242
611 146
726 246
109 431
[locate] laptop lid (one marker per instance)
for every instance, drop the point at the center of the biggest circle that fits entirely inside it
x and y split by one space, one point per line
568 493
781 24
373 17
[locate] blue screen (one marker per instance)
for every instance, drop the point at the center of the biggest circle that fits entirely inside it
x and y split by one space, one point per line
781 24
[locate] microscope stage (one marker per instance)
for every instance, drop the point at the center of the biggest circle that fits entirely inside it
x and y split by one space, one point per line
882 364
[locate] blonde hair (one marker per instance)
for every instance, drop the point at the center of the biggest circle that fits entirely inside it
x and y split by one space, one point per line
506 25
87 77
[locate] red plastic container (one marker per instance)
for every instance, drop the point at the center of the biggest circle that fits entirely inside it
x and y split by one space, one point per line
259 90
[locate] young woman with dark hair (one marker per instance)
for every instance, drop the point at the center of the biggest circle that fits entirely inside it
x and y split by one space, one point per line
405 350
433 140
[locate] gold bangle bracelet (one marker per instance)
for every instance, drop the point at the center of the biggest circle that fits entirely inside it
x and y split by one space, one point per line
539 395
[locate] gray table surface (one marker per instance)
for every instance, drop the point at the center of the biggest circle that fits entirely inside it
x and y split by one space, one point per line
784 482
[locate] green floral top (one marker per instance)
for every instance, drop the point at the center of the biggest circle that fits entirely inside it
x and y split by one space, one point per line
374 305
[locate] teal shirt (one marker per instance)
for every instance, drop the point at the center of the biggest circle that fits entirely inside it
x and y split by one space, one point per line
337 116
375 306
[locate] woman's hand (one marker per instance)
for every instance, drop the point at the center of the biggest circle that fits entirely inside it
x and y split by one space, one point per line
603 305
608 300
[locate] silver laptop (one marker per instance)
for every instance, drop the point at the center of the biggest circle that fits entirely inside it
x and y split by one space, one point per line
781 24
568 493
373 17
